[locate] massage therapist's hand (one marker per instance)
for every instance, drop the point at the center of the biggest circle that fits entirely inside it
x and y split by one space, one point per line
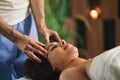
29 45
47 33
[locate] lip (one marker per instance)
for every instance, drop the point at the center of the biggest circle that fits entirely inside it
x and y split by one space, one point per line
66 46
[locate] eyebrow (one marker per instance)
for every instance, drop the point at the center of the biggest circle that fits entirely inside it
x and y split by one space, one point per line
49 46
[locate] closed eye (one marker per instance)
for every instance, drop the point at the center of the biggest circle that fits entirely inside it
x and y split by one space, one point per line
53 47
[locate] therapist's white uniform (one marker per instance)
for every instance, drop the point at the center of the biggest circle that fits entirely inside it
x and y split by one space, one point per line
17 14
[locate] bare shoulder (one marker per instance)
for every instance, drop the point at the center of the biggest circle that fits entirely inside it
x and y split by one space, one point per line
73 74
66 74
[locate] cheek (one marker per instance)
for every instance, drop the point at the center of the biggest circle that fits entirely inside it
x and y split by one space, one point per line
51 60
52 57
54 60
72 52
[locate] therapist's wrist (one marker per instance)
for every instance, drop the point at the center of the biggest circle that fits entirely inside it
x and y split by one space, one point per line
16 35
41 23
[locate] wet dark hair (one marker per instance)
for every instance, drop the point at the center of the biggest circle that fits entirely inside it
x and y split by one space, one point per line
40 71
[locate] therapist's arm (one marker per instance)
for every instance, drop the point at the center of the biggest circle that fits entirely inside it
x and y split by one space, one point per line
8 31
37 7
25 43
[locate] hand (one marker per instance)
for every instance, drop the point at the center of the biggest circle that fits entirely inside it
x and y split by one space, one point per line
47 33
29 45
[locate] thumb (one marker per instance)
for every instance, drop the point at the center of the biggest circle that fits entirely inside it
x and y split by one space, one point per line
47 39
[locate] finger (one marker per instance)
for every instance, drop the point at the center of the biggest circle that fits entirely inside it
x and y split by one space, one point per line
38 42
41 53
47 40
32 49
29 47
26 53
32 56
39 48
57 37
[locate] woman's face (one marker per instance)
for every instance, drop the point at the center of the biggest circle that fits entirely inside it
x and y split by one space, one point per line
59 53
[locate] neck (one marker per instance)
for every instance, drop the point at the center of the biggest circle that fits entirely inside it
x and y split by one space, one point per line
77 62
82 65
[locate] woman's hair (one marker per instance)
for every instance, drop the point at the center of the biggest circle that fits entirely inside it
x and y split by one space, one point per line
40 71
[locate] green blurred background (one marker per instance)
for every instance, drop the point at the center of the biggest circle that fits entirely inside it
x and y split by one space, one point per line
56 12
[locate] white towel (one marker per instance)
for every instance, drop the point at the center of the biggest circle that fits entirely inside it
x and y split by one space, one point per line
106 66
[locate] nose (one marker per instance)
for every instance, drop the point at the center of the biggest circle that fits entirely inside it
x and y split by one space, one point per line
62 42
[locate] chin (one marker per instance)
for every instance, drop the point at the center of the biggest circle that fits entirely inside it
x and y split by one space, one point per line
74 52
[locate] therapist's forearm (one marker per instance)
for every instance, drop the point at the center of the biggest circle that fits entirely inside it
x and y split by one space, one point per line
8 31
37 7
